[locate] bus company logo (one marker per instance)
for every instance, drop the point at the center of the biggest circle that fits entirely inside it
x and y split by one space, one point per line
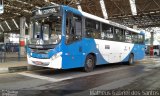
9 93
107 46
125 49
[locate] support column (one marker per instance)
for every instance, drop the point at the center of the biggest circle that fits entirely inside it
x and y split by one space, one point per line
151 44
22 36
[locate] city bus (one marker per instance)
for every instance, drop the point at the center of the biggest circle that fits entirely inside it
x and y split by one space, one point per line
62 37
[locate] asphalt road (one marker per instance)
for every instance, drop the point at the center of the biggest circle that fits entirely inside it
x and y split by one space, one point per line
143 75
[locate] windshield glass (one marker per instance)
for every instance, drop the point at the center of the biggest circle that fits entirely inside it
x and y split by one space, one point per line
45 30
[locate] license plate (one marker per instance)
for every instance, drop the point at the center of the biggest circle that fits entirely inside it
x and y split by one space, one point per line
38 62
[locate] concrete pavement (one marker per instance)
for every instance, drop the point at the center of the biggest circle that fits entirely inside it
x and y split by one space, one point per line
13 66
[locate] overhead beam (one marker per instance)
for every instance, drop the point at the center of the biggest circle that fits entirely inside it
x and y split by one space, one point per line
1 18
156 4
103 8
24 3
133 7
7 25
26 25
79 5
15 23
1 27
47 1
18 8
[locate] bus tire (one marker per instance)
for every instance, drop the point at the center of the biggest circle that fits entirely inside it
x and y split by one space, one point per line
89 63
131 59
155 53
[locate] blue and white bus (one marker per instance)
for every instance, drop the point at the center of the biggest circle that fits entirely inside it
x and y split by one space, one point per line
62 37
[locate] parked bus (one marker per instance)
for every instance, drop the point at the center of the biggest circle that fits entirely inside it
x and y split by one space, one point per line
62 37
156 50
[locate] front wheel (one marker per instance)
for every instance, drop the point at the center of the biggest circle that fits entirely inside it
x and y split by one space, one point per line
131 59
89 63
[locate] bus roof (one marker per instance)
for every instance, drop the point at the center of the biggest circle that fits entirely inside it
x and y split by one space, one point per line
90 16
99 19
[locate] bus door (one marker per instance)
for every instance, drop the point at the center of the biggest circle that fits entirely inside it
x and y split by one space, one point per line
130 39
114 53
116 46
74 40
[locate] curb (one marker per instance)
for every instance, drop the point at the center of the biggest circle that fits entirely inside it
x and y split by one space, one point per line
20 69
17 69
13 69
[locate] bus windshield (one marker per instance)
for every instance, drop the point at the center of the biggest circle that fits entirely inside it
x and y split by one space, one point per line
46 30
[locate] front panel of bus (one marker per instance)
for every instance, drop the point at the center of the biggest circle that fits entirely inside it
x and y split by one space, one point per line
44 44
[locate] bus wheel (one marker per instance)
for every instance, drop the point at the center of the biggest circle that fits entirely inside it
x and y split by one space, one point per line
131 59
89 63
155 53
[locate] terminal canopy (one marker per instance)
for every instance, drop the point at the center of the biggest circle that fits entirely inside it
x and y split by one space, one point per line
142 13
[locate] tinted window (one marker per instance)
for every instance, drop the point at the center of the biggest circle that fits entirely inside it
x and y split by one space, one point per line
119 34
128 35
73 28
107 32
140 39
134 38
92 29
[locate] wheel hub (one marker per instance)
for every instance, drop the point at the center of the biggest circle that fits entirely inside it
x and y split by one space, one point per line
89 62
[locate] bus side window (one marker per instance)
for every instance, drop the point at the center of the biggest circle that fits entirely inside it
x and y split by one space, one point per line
92 29
73 28
140 39
78 26
128 36
107 32
119 35
88 27
134 38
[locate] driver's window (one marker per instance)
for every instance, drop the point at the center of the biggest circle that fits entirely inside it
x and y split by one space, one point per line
37 29
54 35
45 32
73 28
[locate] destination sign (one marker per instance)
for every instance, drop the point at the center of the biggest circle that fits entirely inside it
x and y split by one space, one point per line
47 11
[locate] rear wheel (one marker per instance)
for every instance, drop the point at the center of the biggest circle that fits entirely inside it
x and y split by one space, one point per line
131 59
155 53
89 63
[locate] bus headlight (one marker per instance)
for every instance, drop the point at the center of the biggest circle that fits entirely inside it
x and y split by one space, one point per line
56 55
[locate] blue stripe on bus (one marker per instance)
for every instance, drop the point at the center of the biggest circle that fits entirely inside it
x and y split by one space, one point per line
71 59
138 52
74 60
